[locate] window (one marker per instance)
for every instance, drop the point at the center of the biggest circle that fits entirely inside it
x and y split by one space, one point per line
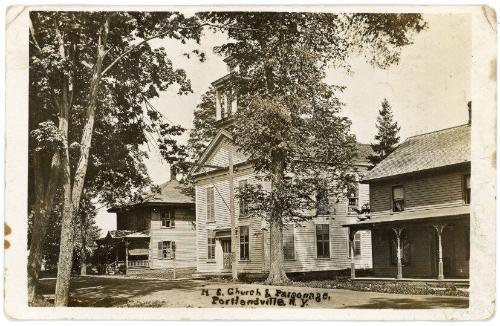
357 245
352 200
167 218
289 242
405 251
322 240
166 250
467 189
210 205
244 243
322 203
211 246
398 199
243 202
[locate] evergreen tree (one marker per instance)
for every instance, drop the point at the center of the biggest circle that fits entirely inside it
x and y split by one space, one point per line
387 137
289 120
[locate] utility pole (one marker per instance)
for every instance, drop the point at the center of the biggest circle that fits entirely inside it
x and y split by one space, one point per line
234 247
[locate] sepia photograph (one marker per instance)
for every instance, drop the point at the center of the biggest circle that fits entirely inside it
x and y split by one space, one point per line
256 158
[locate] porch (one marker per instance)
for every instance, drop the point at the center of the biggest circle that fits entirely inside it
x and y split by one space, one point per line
411 247
122 251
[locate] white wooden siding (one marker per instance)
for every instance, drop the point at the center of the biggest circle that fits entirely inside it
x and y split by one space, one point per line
305 238
184 235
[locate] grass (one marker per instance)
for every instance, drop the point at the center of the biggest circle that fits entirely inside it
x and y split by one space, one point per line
415 288
395 287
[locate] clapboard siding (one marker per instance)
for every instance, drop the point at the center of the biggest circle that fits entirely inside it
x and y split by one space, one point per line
219 156
425 190
305 235
184 235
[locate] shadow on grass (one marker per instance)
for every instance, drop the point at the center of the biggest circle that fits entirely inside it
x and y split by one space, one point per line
110 292
414 303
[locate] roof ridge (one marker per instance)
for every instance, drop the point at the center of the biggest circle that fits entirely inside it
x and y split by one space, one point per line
436 131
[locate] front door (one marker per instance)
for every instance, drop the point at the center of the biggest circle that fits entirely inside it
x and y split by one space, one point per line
226 253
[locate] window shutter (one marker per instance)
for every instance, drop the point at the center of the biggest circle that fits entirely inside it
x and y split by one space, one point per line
172 218
173 249
160 251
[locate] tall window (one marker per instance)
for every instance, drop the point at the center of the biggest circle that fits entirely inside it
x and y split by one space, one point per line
167 218
467 188
243 203
357 245
244 243
323 240
353 200
166 249
289 242
398 199
210 205
211 246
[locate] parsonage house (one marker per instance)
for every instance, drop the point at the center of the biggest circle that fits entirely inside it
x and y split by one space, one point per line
320 244
158 232
419 199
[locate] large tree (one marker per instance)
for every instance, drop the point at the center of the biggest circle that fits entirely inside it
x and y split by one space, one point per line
92 75
289 121
387 137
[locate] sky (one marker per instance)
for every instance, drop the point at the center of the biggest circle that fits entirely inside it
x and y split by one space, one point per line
428 90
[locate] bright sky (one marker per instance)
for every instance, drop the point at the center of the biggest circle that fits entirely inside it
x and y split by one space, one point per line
428 90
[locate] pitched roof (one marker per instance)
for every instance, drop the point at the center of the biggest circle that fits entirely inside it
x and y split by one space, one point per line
364 151
426 151
171 192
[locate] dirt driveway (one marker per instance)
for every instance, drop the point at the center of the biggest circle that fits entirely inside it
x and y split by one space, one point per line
126 292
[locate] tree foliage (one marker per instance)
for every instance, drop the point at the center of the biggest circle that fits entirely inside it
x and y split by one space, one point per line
289 120
387 138
93 74
204 128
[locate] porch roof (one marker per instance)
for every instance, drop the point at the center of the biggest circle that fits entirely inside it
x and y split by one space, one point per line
408 216
115 235
138 252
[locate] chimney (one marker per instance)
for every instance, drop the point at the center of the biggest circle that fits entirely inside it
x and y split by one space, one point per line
469 104
173 172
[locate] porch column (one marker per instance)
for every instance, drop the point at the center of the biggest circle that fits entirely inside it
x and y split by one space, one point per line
351 252
439 230
398 231
126 257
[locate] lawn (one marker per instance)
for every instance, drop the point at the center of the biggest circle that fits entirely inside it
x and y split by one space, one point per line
94 291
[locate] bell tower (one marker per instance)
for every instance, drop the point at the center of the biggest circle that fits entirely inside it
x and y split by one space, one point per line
226 102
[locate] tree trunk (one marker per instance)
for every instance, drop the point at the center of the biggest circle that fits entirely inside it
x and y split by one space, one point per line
44 201
73 194
65 261
83 251
276 269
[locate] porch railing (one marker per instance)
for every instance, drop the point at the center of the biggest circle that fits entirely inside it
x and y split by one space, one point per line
138 263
